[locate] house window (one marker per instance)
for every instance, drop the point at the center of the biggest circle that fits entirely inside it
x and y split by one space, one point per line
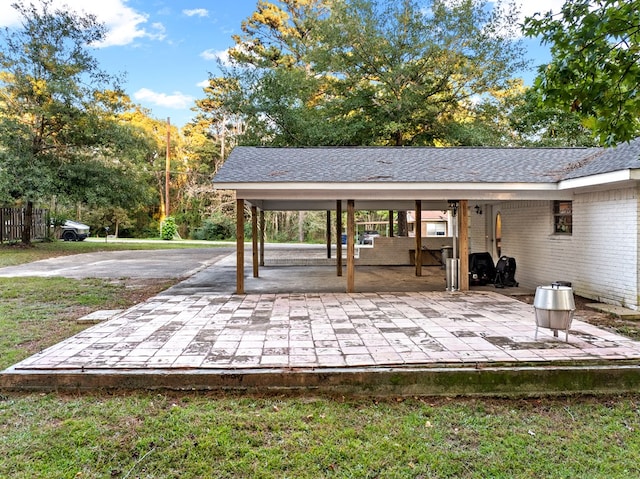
436 229
562 217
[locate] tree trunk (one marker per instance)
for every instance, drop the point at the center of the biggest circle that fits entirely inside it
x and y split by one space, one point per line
276 225
403 230
28 223
402 223
301 216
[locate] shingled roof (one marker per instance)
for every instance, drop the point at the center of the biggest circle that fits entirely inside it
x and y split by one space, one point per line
625 156
422 165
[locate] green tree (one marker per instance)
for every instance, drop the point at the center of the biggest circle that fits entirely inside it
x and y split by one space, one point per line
56 131
595 64
208 140
271 86
151 150
515 116
365 71
406 67
534 123
113 218
199 199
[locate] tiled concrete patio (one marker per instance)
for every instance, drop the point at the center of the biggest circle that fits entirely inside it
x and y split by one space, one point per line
188 338
326 330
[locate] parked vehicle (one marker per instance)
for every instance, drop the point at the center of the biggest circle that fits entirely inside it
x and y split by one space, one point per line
74 231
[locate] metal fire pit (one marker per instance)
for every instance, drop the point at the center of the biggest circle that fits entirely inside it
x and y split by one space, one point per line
554 307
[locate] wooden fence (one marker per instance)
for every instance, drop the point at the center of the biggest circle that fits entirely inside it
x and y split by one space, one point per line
12 223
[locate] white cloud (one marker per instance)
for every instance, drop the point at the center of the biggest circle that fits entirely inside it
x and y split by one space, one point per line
159 32
8 16
176 100
196 12
529 8
124 24
203 83
526 8
220 55
209 54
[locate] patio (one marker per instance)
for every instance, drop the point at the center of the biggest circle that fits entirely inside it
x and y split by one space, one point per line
401 342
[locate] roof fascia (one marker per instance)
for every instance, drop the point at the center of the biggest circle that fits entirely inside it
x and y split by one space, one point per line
396 191
387 195
362 186
600 180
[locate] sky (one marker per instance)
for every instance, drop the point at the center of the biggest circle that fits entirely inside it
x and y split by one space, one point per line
166 49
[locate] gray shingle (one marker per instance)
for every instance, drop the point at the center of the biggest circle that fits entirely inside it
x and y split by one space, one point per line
622 157
417 165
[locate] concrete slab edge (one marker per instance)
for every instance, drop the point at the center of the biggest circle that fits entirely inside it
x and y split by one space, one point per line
486 381
99 316
617 311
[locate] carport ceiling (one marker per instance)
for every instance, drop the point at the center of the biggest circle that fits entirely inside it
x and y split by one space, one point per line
380 178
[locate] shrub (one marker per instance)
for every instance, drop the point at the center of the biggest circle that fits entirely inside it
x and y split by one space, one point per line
168 228
216 228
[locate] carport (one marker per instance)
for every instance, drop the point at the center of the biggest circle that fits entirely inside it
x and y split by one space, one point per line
198 335
337 179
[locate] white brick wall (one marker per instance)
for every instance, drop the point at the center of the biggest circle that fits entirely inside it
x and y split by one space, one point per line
478 230
600 258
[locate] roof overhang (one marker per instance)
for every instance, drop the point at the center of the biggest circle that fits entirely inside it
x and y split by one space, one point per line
394 178
381 196
608 180
283 196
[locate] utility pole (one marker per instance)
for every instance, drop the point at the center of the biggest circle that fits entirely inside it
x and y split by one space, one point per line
222 137
167 170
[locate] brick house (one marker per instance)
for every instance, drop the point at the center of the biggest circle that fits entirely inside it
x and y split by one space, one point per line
570 214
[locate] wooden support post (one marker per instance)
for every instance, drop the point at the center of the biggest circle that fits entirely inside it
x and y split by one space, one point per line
254 240
351 246
463 241
339 237
418 231
239 246
262 233
390 223
328 234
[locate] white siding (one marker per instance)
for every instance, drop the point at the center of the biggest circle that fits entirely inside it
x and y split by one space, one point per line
600 258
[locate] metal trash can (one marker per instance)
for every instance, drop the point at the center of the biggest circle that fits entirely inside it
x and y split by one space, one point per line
452 273
445 253
554 307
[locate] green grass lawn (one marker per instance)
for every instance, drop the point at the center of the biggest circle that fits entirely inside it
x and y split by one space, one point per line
189 435
203 435
36 313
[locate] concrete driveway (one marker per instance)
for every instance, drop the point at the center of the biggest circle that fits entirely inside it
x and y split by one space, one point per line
141 264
